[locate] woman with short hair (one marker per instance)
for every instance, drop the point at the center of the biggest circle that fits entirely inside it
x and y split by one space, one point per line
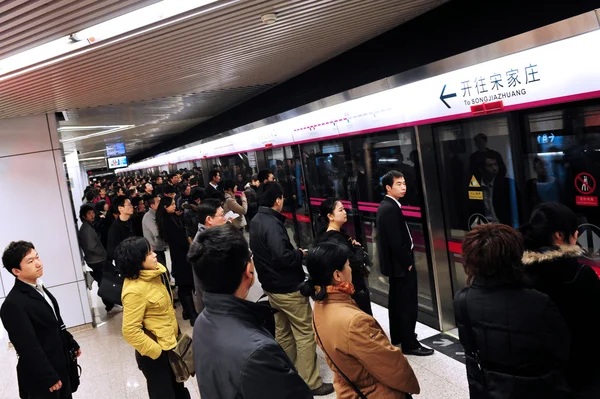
516 342
333 217
149 322
356 346
552 262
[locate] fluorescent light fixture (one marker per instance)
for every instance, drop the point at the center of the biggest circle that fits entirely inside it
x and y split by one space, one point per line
550 154
114 129
101 35
92 152
91 159
76 128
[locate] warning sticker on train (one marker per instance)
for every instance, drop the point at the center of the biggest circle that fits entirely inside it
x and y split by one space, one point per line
477 219
585 183
474 182
589 240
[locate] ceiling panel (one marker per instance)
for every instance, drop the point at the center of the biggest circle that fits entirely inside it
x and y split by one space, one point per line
170 78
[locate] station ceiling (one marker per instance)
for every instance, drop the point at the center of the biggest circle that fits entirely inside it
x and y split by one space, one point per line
166 80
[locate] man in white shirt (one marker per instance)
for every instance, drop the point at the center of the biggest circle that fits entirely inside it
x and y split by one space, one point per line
213 186
31 316
395 247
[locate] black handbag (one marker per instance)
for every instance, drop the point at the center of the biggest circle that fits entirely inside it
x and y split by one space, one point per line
73 367
269 322
111 286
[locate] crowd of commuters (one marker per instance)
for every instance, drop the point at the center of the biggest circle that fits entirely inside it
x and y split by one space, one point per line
526 319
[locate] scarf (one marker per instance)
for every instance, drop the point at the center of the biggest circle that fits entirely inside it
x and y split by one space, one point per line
346 288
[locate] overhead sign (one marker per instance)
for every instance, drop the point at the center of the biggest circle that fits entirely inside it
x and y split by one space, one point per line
114 150
118 162
545 138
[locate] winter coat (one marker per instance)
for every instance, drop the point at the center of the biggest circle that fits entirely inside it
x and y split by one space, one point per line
521 340
252 197
177 239
360 348
119 231
89 241
232 205
575 289
148 305
35 332
190 219
242 359
150 230
279 265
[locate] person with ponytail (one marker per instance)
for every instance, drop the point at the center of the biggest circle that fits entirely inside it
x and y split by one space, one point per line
333 217
552 262
357 349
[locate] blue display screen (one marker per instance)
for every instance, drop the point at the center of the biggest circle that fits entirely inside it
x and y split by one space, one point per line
114 150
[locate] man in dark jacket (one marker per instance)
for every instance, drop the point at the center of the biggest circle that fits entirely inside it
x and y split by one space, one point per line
93 251
280 268
31 317
395 246
190 212
213 185
121 228
231 344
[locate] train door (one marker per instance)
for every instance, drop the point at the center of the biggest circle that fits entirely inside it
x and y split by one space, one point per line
477 181
370 158
561 159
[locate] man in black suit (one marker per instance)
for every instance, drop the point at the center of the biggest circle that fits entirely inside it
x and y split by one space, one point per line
31 317
395 247
213 186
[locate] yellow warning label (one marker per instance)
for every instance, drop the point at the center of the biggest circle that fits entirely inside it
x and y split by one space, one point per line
476 195
474 182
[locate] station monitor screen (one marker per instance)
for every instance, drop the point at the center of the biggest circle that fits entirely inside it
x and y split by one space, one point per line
114 150
118 162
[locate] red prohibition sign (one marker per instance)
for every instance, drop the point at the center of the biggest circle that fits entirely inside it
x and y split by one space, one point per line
585 183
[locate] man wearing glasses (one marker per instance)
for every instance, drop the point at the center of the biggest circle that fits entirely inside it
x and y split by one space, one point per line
121 228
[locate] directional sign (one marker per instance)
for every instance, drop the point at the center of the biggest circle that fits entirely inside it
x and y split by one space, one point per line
477 219
589 240
585 183
446 344
444 97
545 138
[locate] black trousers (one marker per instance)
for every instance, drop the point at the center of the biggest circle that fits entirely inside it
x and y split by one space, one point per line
97 270
161 257
403 310
160 378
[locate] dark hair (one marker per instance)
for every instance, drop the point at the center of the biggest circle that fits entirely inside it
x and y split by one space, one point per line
169 189
130 256
207 208
545 220
271 192
157 177
100 206
172 175
119 201
322 261
89 196
481 136
14 253
162 216
219 257
327 207
198 193
264 175
228 185
194 181
494 251
135 201
212 174
389 177
217 195
84 209
255 177
149 199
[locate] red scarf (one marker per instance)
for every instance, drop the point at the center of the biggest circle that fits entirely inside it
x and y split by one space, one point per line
346 288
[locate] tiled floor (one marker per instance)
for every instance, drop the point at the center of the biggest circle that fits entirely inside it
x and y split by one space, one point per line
110 371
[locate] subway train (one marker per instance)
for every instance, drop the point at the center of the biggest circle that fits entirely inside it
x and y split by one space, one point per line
481 137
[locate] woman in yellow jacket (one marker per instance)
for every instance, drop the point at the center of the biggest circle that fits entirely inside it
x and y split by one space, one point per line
149 323
355 344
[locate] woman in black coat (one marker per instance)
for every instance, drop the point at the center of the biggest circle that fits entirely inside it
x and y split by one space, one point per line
333 216
516 342
551 259
172 229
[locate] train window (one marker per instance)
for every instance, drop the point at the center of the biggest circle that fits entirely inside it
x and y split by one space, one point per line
477 180
562 164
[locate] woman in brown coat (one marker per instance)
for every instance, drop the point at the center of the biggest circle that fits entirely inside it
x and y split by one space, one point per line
354 342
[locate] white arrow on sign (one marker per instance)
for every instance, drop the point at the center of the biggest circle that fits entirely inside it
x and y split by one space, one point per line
551 137
443 343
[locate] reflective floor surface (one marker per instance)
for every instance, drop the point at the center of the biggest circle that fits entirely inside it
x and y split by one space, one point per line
110 370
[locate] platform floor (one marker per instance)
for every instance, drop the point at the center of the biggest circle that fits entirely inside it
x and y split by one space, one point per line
110 370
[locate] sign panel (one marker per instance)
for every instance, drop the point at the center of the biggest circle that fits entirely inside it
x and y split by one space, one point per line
585 183
476 195
118 162
114 150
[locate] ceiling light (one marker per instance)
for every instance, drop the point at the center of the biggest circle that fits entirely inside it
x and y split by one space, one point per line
75 128
91 159
87 136
79 42
269 19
